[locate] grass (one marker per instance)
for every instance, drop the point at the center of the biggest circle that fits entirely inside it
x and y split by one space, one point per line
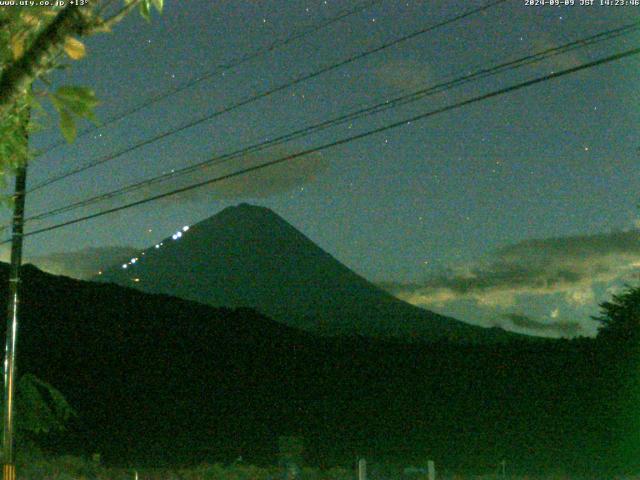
76 468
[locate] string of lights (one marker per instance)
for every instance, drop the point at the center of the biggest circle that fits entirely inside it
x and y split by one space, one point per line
342 141
219 69
364 112
267 93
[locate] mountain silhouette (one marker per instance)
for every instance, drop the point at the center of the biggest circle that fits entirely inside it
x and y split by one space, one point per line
248 256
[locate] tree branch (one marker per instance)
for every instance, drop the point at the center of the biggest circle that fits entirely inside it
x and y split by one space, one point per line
18 76
105 25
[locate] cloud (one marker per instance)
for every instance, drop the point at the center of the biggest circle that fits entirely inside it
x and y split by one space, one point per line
406 75
567 265
82 264
544 41
272 180
528 324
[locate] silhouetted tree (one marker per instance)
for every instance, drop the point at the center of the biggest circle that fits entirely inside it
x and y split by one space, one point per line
620 318
41 407
40 410
618 344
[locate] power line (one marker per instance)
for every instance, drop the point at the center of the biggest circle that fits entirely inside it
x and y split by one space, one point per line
223 68
398 101
341 141
265 94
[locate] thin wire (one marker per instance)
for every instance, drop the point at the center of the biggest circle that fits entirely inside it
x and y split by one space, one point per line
264 94
399 101
342 141
222 68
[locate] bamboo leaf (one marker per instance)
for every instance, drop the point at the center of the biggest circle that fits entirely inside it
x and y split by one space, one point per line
75 94
74 48
145 10
68 126
17 45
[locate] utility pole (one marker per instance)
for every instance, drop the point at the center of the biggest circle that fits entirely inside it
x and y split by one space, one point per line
8 454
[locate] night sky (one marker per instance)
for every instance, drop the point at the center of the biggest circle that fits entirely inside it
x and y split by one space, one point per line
442 212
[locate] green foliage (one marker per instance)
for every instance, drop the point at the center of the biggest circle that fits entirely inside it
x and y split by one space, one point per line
145 10
145 7
13 148
40 407
620 317
159 4
290 449
619 342
19 28
71 102
69 467
66 467
14 130
220 472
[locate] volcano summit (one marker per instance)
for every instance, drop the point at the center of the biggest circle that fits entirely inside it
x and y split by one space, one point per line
248 256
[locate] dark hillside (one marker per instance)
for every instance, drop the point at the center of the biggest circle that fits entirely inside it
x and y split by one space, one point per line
159 380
